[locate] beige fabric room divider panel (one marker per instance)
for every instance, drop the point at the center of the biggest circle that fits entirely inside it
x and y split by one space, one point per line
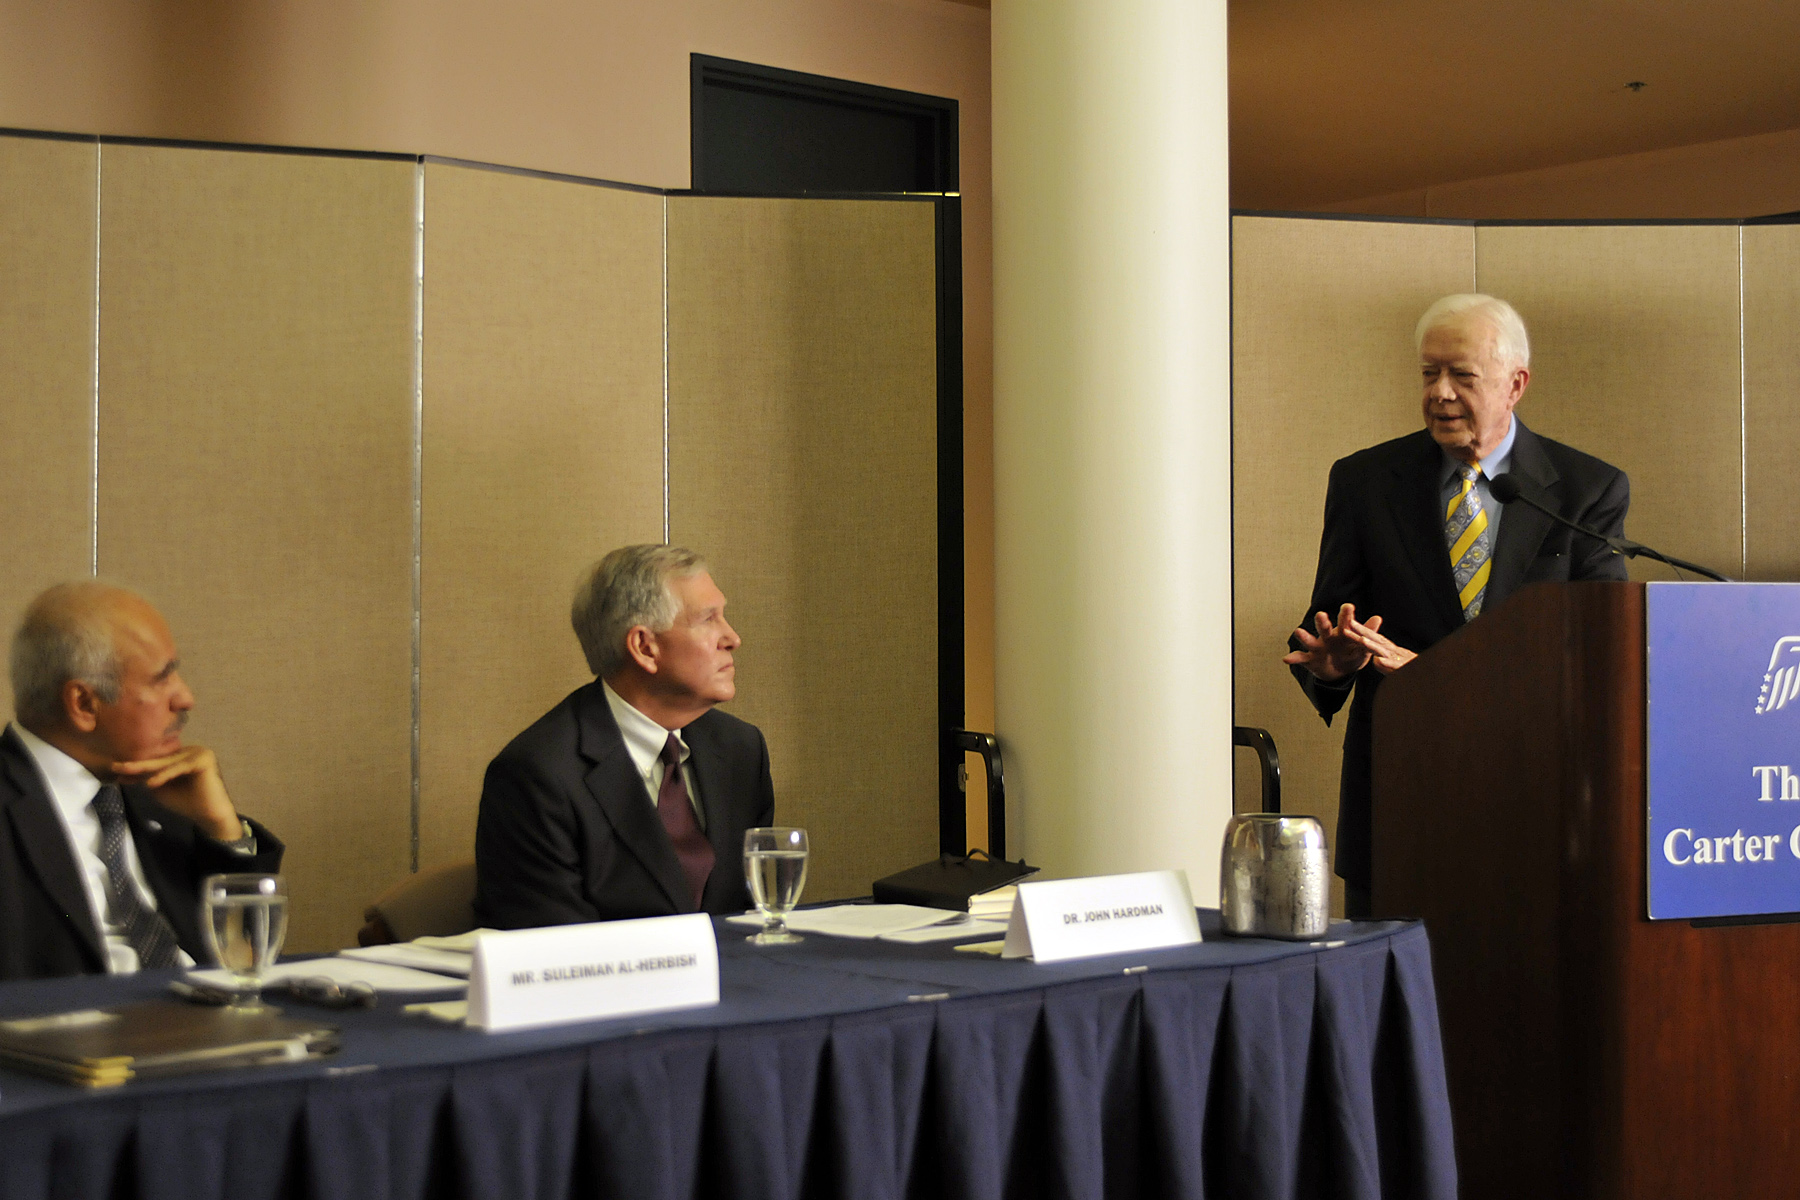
1322 365
802 462
46 369
256 383
1635 358
1772 400
543 449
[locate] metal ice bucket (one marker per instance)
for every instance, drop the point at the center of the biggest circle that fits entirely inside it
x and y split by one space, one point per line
1272 877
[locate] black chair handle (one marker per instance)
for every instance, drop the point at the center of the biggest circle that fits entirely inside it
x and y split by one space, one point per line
1261 741
988 746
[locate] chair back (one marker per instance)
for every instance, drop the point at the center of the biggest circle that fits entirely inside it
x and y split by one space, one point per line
437 903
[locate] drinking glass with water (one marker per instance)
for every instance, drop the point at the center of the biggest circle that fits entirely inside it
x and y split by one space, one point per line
775 867
244 919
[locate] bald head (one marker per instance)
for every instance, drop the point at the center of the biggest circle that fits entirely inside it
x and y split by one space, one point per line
66 634
94 664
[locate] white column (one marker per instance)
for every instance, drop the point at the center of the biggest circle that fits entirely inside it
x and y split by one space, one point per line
1112 429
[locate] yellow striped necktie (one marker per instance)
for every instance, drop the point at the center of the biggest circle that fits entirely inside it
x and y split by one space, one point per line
1471 547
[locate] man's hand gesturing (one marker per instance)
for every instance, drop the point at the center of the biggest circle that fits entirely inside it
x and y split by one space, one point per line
1335 652
1346 647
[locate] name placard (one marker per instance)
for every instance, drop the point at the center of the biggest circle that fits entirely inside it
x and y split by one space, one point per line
530 977
1061 919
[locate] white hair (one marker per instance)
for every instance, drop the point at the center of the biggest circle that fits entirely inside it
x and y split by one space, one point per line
1511 345
629 587
65 634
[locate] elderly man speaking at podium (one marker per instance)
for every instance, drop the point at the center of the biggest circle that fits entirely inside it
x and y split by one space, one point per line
630 798
1414 544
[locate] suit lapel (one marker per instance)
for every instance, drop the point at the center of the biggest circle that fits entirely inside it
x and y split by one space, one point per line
618 789
45 842
1420 523
1522 531
161 854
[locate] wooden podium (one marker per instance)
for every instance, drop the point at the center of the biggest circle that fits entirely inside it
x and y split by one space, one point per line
1591 1052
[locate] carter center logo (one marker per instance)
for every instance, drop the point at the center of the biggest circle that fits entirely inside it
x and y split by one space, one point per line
1781 682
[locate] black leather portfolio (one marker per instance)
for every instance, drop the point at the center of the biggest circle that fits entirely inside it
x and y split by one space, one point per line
950 881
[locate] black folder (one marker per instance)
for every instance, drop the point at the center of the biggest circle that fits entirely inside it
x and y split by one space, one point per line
950 881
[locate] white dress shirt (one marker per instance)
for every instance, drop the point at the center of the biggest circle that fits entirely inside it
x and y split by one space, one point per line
72 790
644 741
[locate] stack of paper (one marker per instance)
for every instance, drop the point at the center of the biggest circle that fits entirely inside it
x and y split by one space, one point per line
385 978
411 954
889 922
462 943
958 928
996 905
439 955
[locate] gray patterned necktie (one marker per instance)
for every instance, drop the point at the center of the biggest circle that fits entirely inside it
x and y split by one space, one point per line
146 930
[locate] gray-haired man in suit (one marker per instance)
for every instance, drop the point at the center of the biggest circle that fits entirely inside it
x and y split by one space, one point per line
1415 545
630 798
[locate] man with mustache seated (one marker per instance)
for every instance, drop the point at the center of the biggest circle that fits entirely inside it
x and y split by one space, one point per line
108 823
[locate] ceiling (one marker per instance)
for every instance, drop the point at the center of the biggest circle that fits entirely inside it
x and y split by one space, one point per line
1341 99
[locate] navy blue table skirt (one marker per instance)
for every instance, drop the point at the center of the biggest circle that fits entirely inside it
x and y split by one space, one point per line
1240 1069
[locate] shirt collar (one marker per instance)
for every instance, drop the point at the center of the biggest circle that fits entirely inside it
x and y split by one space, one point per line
72 786
644 738
1497 463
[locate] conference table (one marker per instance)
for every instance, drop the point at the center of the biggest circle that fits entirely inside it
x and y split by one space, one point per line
1240 1068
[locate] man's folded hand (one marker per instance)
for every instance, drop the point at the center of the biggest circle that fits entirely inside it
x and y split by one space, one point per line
188 782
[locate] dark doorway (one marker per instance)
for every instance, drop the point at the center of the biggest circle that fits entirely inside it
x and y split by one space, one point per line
763 131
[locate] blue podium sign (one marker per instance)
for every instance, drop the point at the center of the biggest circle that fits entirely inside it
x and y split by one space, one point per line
1723 770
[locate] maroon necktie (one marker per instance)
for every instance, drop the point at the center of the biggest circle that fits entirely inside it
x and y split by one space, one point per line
677 813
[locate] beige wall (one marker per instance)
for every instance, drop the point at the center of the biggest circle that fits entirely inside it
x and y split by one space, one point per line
1635 358
596 89
542 449
803 463
47 323
1638 339
255 479
347 402
1771 399
1740 177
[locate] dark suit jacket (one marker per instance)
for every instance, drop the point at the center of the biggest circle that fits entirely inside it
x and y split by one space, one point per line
567 832
1383 550
46 928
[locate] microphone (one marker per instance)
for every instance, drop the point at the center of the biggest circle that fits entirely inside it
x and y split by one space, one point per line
1509 487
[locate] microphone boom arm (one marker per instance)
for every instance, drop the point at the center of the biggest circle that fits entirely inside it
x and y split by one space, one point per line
1506 489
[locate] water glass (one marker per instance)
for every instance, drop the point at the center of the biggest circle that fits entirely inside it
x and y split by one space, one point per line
244 920
775 868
